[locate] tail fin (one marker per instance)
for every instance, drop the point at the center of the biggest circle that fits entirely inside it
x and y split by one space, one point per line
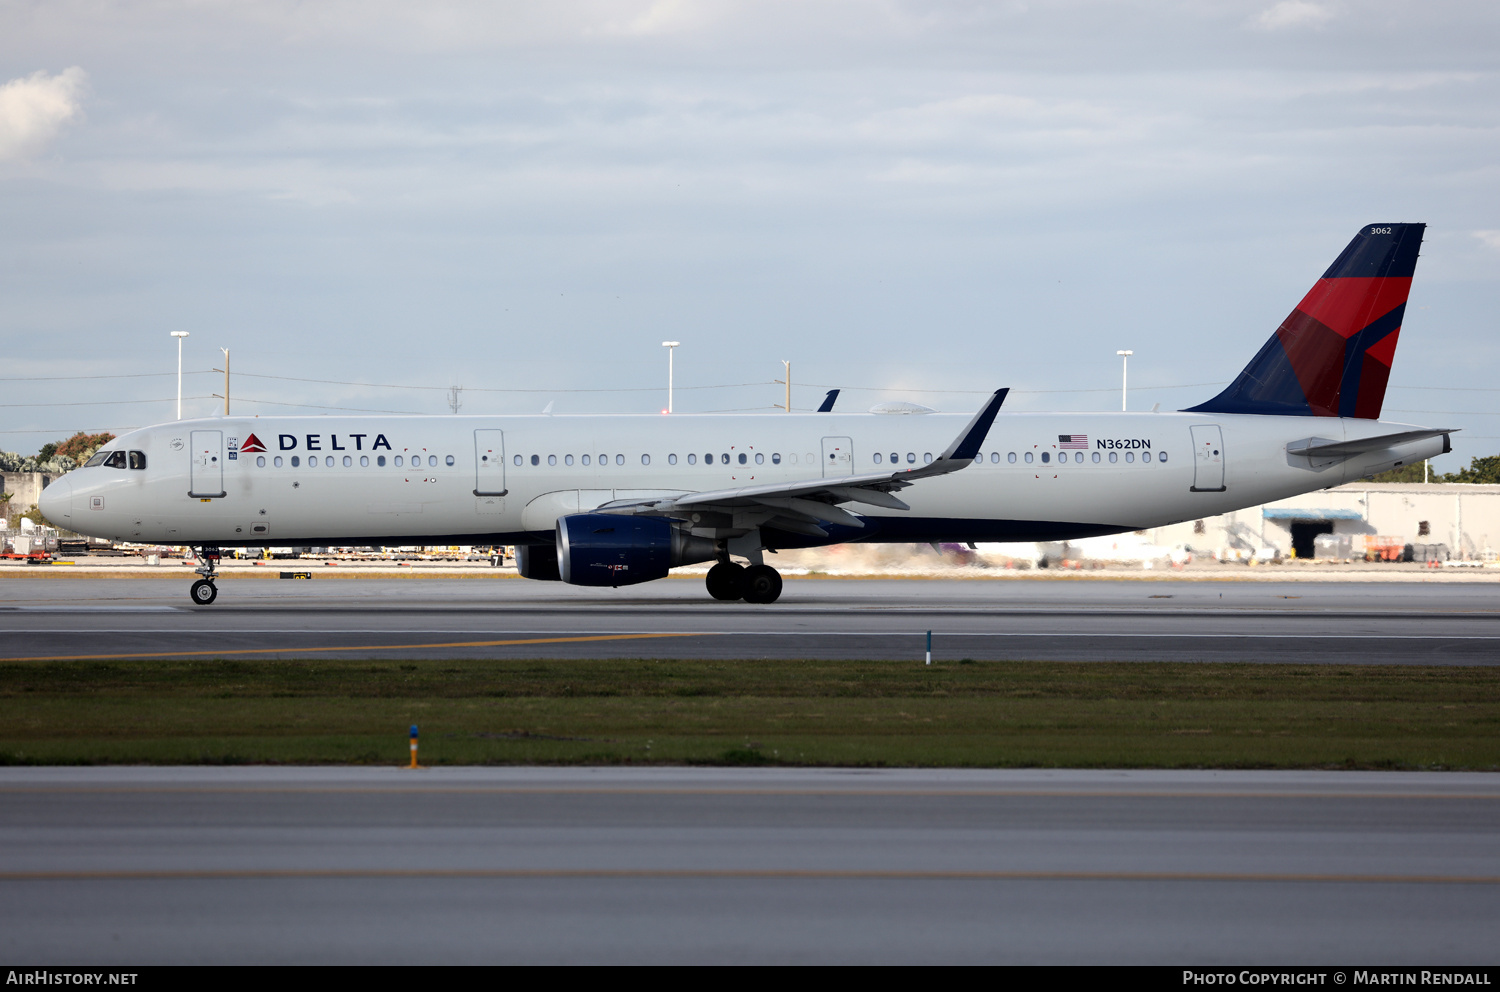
1332 356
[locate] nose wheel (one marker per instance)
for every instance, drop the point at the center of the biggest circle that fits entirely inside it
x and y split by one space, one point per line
204 592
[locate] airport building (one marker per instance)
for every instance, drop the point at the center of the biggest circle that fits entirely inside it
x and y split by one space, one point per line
1457 521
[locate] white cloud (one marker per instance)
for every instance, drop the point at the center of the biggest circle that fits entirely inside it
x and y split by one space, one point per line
1294 14
35 108
1490 239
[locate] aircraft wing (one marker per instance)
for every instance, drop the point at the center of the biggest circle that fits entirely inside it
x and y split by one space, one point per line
1315 447
802 505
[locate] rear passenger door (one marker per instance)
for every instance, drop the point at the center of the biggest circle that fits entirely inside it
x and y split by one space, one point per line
1208 459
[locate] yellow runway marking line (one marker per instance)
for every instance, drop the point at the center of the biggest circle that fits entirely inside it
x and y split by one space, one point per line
733 873
419 789
356 647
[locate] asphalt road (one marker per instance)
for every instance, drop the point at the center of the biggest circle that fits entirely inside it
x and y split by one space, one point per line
156 865
1307 622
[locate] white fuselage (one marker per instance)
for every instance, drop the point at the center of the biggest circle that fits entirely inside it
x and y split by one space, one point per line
494 480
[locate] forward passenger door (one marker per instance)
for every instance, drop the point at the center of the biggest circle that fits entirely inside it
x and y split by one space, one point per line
207 472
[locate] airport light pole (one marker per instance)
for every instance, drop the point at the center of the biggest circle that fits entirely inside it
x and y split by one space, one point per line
1124 375
179 335
671 347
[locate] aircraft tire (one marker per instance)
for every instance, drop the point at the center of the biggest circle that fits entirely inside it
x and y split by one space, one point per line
726 581
762 584
203 592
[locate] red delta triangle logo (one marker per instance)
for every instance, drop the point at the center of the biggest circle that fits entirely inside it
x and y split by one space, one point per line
252 443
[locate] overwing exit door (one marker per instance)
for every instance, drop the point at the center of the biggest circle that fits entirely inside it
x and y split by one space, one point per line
838 456
206 476
489 463
1208 459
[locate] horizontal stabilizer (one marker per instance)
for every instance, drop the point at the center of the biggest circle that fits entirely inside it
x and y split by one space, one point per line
1317 447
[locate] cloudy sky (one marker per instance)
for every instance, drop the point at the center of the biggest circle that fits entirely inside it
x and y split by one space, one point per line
920 200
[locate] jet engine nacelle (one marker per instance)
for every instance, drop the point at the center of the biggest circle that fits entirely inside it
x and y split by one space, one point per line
606 549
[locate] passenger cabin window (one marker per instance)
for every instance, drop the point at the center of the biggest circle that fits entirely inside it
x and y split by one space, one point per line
1145 456
760 459
619 459
138 459
584 459
671 459
1161 456
645 459
296 461
514 461
432 461
1011 457
567 459
348 461
692 459
379 460
708 459
364 461
329 461
277 461
448 461
743 459
1114 456
995 457
551 459
1046 457
1028 458
536 459
1096 458
1130 456
260 461
877 458
775 458
398 461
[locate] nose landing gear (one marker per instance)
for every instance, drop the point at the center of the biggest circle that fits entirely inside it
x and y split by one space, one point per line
204 592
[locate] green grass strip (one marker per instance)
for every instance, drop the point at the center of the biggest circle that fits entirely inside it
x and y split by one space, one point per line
854 713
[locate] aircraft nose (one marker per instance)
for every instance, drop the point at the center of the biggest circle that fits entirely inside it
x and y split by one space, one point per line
56 503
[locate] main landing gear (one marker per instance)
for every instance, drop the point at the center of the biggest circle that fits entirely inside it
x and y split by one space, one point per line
204 591
756 584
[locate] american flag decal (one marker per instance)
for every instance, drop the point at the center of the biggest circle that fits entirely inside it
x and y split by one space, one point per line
1072 440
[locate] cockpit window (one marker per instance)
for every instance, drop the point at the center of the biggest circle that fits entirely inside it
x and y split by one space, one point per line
137 459
96 460
116 459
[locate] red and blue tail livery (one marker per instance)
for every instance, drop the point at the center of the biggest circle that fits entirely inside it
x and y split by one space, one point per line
1332 357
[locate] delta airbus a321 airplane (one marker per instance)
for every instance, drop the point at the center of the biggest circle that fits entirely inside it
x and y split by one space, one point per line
618 500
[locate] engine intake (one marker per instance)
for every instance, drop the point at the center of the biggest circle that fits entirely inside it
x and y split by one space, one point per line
537 561
606 549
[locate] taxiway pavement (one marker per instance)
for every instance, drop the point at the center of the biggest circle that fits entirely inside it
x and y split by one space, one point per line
576 865
1082 620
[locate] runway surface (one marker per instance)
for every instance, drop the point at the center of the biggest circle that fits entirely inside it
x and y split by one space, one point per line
1306 622
155 865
